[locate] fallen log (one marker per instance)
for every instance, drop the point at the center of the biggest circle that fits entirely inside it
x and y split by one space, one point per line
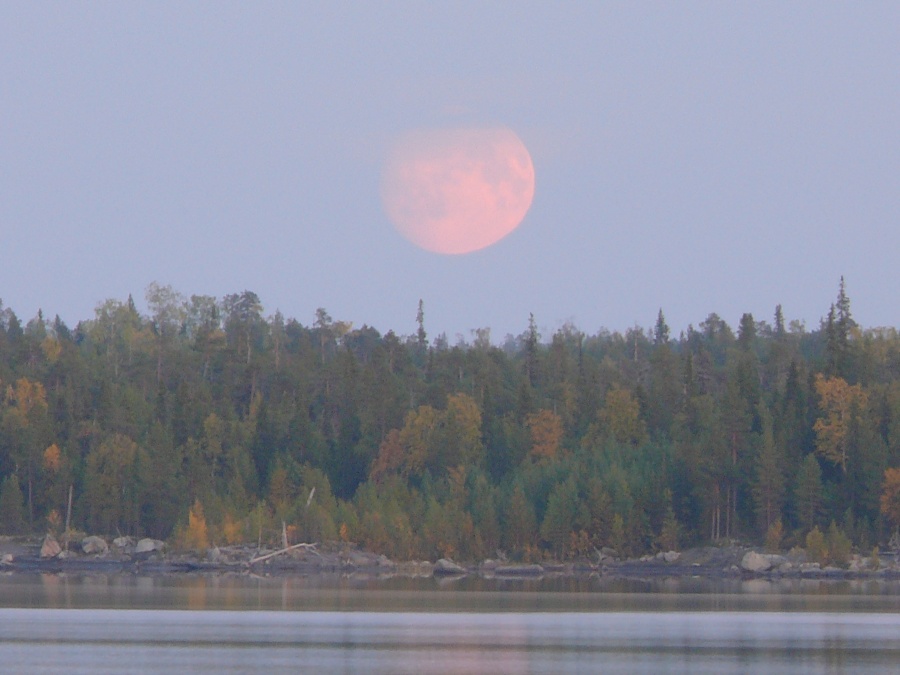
263 558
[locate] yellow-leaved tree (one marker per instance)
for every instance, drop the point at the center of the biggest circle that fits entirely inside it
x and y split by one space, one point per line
546 428
432 439
890 496
838 400
618 419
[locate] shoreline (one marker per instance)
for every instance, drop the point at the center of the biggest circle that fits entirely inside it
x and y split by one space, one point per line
23 556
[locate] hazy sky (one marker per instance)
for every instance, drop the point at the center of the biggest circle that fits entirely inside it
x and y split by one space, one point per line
692 156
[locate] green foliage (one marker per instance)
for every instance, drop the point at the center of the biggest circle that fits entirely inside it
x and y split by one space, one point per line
12 506
670 534
115 473
874 559
563 516
618 537
838 545
519 526
808 492
816 547
774 537
416 448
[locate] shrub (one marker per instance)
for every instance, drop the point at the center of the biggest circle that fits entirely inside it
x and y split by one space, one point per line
816 548
195 535
774 536
838 545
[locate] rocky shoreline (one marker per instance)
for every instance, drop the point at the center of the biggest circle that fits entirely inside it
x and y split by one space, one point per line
94 555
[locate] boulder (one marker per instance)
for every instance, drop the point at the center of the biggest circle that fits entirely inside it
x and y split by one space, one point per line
94 545
50 548
755 562
447 567
671 556
810 569
123 542
7 559
149 545
519 570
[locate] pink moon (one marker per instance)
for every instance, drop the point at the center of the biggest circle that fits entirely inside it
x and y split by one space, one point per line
455 191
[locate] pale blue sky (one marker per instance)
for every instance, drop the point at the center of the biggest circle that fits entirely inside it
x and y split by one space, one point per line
692 156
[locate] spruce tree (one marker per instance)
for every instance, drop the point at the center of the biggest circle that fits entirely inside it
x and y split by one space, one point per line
661 330
12 506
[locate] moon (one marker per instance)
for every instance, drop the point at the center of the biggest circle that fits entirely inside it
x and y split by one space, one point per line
456 191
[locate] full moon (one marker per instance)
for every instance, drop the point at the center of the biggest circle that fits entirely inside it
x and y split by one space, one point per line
456 191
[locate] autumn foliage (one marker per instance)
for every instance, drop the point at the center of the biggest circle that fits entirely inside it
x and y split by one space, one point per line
206 420
890 496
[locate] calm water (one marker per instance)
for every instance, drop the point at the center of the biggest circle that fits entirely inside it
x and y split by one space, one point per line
239 624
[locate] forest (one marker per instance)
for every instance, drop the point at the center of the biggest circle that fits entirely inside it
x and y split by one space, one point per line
207 421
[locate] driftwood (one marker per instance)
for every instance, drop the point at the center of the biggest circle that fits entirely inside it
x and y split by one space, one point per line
267 556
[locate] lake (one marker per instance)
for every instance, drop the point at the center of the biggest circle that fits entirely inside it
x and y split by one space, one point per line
238 624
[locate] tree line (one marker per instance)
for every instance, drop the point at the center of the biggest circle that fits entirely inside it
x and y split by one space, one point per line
207 421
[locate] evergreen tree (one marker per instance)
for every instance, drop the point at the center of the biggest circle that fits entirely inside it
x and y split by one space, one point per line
768 488
839 326
661 330
12 506
808 492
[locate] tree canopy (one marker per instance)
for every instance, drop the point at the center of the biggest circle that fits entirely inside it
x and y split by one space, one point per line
210 420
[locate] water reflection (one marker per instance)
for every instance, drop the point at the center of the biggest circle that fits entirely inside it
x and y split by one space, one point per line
91 641
469 594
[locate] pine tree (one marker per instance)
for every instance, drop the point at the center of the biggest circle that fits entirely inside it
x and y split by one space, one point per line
808 492
839 326
531 342
746 332
768 487
421 335
661 330
779 322
12 506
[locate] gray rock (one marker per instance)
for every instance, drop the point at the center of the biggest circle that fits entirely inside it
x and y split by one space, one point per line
519 570
123 542
50 548
7 559
671 556
94 545
361 559
213 554
149 545
810 568
445 567
755 562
